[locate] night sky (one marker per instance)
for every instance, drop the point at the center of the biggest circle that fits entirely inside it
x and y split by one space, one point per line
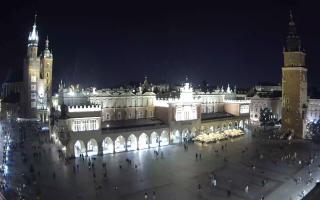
110 43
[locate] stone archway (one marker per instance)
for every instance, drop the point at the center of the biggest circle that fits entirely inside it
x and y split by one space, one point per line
143 141
236 125
132 143
175 137
164 138
230 125
79 148
92 147
107 145
241 125
154 139
120 144
224 127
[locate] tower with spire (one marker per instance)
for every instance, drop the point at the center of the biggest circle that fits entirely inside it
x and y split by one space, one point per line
33 40
46 70
37 78
294 84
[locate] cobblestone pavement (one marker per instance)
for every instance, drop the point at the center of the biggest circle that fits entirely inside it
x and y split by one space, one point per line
246 161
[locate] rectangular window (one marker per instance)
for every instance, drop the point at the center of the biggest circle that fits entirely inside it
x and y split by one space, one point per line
33 79
77 125
33 87
33 104
94 124
139 116
33 95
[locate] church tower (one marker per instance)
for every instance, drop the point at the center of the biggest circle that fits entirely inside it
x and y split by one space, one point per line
31 74
37 79
294 85
46 71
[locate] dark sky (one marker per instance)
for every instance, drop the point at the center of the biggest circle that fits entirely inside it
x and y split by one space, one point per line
104 43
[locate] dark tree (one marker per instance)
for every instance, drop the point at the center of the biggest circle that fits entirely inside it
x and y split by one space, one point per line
313 131
266 117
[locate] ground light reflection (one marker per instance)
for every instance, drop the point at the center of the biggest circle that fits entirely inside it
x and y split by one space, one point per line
4 170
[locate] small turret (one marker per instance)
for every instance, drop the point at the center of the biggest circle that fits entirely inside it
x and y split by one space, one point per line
228 89
47 53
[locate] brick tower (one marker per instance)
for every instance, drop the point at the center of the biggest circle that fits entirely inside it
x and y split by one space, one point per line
294 85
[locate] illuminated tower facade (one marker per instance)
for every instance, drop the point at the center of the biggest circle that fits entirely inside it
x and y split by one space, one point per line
294 85
46 71
37 79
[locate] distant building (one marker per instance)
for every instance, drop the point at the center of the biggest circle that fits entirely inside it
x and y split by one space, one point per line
10 96
313 110
260 102
268 88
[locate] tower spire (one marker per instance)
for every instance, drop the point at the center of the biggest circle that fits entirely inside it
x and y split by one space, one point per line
33 35
293 42
47 43
35 20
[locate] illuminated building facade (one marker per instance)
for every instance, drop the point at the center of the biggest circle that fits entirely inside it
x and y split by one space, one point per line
294 85
91 121
37 79
32 93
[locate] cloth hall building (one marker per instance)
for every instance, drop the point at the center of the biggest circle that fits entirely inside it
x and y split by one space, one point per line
95 122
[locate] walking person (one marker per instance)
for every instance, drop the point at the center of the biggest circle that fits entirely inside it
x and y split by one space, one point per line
228 193
154 195
214 182
199 187
145 195
247 188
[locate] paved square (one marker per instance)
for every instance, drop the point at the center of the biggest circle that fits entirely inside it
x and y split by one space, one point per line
267 167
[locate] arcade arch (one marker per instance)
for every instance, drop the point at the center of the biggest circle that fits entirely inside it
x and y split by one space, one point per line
79 148
92 147
120 144
143 141
132 143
